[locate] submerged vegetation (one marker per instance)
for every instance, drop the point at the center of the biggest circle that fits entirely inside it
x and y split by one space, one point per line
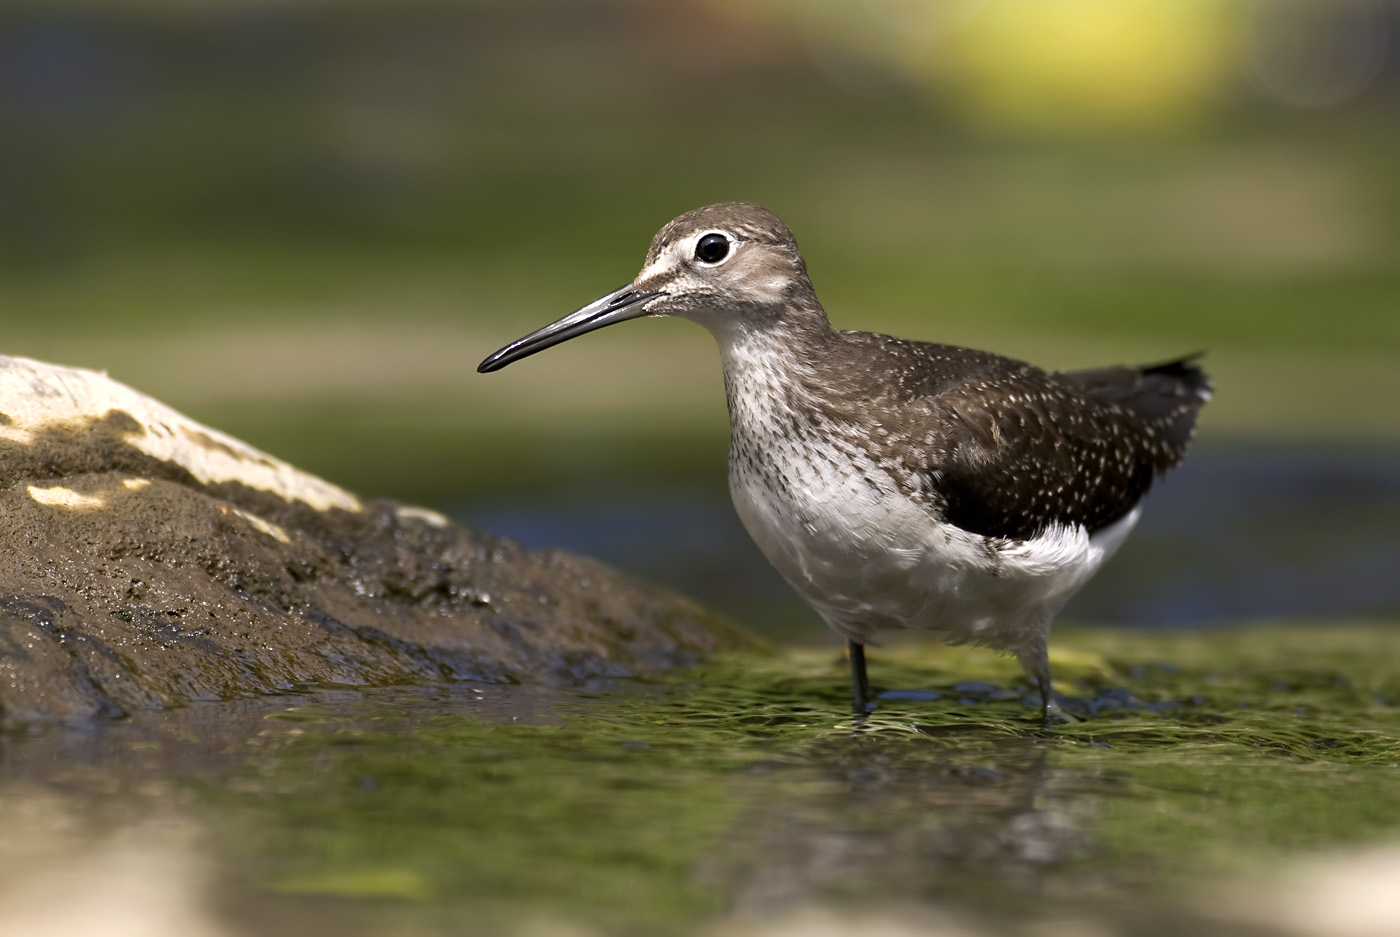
746 785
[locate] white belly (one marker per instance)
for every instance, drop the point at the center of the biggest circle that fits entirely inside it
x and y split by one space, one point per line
869 559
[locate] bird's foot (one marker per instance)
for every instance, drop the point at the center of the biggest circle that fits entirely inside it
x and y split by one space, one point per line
1050 712
1052 715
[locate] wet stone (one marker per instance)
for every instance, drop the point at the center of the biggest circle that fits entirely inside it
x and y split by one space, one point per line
152 562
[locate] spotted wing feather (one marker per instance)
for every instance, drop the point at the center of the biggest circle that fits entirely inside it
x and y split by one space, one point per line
1166 396
1019 449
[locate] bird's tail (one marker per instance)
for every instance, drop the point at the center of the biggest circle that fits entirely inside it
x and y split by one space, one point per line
1167 396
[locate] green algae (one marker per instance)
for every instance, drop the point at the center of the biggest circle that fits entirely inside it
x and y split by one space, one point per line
747 785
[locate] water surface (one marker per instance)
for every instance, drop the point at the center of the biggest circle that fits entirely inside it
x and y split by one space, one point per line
743 792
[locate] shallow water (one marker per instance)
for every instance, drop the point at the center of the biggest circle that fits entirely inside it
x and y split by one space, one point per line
737 793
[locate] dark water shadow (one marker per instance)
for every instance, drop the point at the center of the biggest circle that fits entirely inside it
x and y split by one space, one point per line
1238 533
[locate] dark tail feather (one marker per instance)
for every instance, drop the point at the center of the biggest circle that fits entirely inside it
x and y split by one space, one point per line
1184 373
1166 396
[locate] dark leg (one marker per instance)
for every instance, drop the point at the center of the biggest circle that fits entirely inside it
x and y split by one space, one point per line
860 684
1043 682
1037 666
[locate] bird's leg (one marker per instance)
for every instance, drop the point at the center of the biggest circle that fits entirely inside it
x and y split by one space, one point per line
1036 662
1042 681
860 684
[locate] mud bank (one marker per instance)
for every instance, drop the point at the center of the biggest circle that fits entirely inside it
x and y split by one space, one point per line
149 561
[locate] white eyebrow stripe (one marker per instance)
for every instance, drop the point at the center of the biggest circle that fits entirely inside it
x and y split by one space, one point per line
663 265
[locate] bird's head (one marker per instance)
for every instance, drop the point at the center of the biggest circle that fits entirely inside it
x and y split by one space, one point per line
732 267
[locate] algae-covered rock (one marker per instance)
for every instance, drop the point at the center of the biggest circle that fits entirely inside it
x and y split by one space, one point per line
150 561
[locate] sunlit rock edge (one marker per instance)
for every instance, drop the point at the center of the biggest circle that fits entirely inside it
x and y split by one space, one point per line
153 561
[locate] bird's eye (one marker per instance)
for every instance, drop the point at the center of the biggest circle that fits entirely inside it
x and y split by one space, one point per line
712 248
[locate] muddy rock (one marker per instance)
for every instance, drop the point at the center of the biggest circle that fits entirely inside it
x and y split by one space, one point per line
149 561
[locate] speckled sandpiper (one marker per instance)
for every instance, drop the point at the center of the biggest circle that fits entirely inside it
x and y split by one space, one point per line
898 484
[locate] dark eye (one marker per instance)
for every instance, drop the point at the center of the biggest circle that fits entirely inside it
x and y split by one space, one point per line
712 248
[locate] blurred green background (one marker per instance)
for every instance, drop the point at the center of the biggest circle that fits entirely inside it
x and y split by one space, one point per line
306 221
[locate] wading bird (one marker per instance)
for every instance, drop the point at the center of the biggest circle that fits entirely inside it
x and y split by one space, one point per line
899 484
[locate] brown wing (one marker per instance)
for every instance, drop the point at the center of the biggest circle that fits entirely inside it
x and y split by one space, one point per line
1017 464
1079 447
1008 449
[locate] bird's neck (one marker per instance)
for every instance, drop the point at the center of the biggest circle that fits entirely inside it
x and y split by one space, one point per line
790 336
786 343
769 367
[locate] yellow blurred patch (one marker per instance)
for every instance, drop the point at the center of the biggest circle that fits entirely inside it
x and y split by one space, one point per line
359 883
1077 64
1073 660
1041 66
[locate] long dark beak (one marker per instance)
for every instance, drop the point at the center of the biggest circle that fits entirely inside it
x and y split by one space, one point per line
618 306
